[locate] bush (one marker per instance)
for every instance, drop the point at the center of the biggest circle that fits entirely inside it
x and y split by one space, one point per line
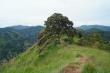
105 46
83 42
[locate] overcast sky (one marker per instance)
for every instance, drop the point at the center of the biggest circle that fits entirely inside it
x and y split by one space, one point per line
35 12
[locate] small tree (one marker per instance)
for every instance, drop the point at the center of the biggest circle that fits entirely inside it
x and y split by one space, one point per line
56 26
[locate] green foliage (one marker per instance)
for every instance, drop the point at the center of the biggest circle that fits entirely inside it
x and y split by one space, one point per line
89 69
104 31
105 46
15 41
56 60
83 42
93 40
57 25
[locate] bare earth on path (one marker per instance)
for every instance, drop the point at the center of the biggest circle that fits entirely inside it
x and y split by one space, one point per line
77 67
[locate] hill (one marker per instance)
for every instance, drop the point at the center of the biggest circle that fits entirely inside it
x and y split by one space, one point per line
103 30
15 39
59 49
100 27
57 58
19 27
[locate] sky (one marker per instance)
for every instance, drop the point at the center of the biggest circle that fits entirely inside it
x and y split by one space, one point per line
35 12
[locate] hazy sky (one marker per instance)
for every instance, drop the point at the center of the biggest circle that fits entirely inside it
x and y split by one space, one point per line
35 12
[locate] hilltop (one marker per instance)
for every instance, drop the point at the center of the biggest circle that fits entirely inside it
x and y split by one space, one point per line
56 59
61 48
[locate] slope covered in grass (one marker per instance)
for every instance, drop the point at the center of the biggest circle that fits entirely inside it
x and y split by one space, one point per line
55 59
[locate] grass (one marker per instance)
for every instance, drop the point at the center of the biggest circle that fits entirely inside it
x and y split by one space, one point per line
55 59
89 69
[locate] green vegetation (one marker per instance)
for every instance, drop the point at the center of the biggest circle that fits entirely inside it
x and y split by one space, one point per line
94 40
15 40
57 26
103 30
60 48
89 69
55 59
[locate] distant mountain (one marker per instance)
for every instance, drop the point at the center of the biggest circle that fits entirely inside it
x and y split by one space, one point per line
18 27
100 27
103 30
15 39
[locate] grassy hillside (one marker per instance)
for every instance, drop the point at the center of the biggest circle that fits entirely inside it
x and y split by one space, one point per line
55 59
15 39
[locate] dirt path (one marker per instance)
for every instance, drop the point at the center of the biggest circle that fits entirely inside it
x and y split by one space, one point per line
77 67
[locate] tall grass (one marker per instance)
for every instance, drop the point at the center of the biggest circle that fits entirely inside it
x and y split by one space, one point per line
88 68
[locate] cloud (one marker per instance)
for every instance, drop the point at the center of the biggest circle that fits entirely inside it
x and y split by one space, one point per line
36 11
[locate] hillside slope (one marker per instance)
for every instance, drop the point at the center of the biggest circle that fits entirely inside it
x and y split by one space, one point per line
15 39
55 59
104 31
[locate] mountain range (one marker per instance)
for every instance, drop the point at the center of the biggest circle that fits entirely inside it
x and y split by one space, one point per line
15 39
100 27
104 31
59 58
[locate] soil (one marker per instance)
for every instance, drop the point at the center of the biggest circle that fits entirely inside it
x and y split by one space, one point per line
77 67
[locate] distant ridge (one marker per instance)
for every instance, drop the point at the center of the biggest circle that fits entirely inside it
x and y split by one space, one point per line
103 30
16 39
100 27
18 27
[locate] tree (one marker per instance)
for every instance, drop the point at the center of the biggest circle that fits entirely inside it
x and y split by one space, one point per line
56 26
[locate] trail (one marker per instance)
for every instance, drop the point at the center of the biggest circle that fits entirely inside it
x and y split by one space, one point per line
77 67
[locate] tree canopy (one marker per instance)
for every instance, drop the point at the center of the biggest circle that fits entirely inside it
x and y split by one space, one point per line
56 26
